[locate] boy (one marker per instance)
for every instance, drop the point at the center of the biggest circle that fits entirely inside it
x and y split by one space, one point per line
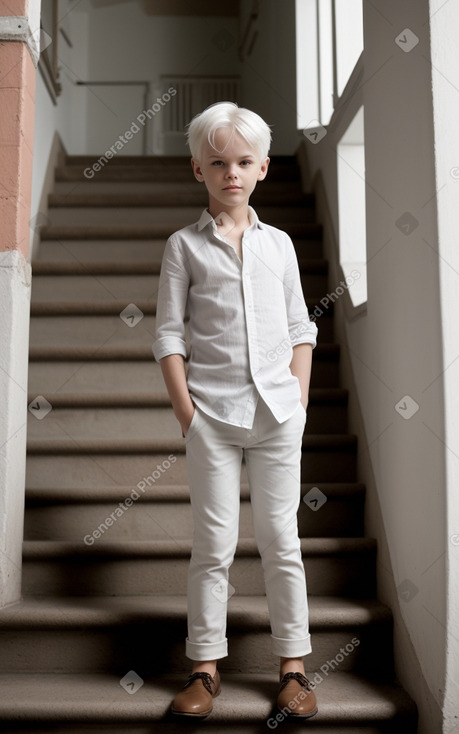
245 393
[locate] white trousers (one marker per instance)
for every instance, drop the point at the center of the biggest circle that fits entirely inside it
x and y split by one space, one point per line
272 452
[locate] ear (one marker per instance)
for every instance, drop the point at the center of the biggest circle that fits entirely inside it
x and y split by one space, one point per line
197 170
263 170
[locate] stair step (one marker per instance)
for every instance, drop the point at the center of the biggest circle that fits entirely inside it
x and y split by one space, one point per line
127 283
66 513
106 306
68 446
283 162
83 462
51 367
94 194
155 230
166 170
67 703
51 635
127 267
102 209
334 566
115 330
105 377
141 415
132 250
143 422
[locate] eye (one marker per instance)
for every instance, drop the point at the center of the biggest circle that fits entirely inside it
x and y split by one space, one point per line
217 163
246 163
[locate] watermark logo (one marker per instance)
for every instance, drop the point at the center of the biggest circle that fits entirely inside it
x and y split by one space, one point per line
225 223
223 40
131 682
286 344
39 407
407 40
314 499
407 223
129 501
314 681
129 134
407 590
407 407
314 132
223 591
131 315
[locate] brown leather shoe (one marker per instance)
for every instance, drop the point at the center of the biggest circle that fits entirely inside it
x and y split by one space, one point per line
196 697
296 697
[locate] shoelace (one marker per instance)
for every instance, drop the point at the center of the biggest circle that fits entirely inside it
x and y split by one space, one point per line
299 677
206 678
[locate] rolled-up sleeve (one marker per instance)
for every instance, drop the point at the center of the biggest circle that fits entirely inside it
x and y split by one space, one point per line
301 329
172 297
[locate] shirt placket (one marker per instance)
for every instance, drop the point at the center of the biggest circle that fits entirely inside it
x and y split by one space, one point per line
252 331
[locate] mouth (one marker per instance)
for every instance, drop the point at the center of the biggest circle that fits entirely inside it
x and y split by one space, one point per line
232 188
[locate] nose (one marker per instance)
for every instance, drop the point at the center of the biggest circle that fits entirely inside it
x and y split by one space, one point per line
232 171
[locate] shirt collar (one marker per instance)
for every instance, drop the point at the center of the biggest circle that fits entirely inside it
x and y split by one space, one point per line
205 219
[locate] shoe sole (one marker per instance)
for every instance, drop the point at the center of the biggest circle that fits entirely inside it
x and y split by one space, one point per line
302 716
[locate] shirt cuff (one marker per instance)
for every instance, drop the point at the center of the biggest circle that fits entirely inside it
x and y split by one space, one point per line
307 334
166 345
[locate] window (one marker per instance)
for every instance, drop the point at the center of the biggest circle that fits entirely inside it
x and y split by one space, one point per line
351 207
329 42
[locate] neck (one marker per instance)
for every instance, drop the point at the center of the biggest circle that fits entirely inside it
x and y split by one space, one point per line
239 214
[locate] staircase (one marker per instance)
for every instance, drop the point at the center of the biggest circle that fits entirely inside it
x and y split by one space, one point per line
97 644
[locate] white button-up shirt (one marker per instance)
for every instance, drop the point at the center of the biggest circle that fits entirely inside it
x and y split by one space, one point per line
245 316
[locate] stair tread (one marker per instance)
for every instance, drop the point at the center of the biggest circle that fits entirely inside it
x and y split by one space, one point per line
81 445
152 231
128 352
163 198
169 493
250 611
181 548
127 267
343 697
129 399
107 307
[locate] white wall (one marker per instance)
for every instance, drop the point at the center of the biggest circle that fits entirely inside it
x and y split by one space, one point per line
396 346
125 44
268 73
445 57
68 117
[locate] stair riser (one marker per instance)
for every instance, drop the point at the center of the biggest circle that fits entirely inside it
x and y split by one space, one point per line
127 470
46 377
162 520
130 289
94 331
327 576
152 422
125 648
99 377
178 216
163 174
191 189
138 250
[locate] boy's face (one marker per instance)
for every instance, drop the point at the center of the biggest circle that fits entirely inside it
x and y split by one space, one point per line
229 176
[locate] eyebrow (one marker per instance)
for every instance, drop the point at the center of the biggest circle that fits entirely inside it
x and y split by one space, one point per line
246 155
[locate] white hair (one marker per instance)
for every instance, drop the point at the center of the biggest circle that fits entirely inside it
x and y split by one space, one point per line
228 115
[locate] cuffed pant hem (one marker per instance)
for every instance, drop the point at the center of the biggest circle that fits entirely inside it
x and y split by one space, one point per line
206 651
291 648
